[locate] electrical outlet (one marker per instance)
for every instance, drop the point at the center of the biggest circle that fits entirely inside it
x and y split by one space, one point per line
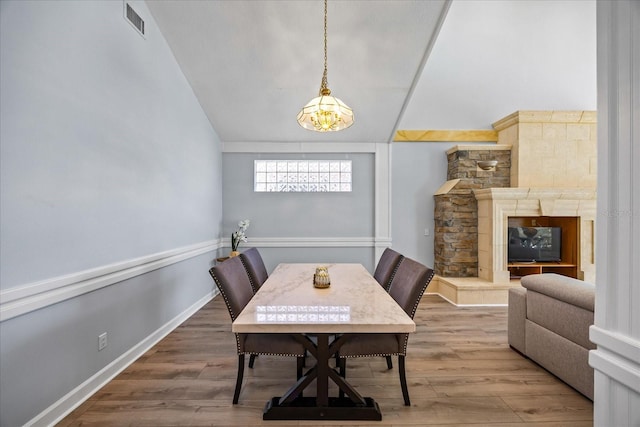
426 231
102 341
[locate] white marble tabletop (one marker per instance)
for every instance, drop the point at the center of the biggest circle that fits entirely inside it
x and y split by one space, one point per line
289 303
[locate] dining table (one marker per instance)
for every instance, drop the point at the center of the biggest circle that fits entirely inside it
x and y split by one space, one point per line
322 319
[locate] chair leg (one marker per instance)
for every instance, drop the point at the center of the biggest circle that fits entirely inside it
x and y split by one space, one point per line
252 359
389 362
403 381
236 394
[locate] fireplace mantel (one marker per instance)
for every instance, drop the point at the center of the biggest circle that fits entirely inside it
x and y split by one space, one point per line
496 205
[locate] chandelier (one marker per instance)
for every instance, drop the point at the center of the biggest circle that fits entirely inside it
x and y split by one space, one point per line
325 113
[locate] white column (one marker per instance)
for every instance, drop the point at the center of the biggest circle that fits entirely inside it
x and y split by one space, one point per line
382 199
617 317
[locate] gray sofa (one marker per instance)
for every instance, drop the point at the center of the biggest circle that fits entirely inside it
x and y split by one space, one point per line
549 319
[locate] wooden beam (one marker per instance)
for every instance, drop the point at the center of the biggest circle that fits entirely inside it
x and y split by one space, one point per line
446 136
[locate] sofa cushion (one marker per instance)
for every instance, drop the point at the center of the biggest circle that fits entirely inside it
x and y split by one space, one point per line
562 357
567 289
566 320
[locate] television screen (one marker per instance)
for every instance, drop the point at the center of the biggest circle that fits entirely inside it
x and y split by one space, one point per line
534 244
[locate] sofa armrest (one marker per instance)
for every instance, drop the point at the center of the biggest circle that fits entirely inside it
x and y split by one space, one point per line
516 318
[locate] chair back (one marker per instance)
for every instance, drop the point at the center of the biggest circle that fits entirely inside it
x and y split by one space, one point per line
234 285
409 283
387 267
254 265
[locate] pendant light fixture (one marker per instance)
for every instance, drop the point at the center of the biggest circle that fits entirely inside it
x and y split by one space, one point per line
325 113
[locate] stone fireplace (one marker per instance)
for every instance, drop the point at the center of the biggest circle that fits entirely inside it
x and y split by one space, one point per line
497 205
545 173
456 210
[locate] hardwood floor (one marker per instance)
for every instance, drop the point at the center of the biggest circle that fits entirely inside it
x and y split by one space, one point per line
460 372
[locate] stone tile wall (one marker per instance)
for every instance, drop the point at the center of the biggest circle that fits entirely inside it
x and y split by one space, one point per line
456 212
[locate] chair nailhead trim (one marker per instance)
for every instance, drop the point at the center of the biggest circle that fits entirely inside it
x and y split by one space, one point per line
372 355
274 354
415 307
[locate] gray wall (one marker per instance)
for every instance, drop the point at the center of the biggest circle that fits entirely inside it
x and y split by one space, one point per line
280 215
106 156
418 170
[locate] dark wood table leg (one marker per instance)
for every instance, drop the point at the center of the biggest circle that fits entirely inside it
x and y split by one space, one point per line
292 406
322 380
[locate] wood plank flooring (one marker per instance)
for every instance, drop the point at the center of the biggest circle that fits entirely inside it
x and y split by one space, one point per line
460 372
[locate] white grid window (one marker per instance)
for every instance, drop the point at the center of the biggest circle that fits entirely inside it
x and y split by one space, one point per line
302 176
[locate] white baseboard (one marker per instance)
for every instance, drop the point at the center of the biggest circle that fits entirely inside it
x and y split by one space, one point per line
464 305
65 405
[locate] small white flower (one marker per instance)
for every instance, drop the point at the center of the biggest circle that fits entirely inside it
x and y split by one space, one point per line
239 235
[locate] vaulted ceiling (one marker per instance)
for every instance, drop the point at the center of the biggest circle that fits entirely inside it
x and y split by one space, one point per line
254 64
399 64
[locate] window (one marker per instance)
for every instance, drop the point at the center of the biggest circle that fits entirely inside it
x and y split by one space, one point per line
302 176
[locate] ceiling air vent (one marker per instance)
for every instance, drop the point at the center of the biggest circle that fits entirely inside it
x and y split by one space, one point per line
134 19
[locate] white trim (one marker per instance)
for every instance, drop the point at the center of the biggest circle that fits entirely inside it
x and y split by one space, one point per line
464 305
382 196
622 345
57 411
20 300
617 356
383 242
313 242
298 147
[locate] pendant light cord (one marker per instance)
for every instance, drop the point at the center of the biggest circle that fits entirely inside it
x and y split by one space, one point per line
324 89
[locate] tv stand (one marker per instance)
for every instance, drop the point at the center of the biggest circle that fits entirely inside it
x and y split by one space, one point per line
569 257
519 269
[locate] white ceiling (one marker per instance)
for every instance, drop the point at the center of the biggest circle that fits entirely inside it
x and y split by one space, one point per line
253 64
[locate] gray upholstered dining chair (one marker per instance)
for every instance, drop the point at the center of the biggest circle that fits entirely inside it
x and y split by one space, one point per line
254 265
234 285
385 270
387 267
407 287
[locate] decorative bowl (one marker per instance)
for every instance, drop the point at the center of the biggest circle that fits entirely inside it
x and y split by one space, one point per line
486 165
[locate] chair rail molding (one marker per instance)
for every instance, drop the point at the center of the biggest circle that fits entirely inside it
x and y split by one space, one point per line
316 242
23 299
